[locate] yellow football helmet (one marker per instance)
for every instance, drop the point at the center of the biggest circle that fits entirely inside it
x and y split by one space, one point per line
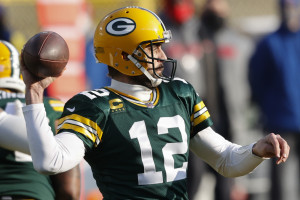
10 75
129 30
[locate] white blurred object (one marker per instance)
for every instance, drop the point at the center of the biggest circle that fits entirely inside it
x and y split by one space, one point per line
258 25
14 108
189 63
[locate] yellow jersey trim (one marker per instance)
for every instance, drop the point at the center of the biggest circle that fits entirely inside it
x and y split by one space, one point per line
81 125
200 114
154 98
57 105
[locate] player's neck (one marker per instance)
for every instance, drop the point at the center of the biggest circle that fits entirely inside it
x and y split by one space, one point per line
141 92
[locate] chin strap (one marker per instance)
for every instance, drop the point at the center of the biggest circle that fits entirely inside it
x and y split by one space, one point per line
154 81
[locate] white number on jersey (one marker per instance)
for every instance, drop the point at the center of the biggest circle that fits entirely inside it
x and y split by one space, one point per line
150 175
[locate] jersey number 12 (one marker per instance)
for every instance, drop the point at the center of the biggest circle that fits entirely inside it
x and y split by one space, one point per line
150 175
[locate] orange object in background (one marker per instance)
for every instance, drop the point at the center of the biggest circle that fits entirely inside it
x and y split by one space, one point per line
94 195
70 83
76 48
58 12
62 17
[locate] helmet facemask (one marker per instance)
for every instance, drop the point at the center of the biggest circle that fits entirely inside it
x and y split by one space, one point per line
142 59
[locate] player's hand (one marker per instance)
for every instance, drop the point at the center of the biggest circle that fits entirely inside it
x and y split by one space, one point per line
272 145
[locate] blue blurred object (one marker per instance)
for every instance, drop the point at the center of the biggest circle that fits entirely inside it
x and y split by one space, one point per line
292 2
96 72
4 32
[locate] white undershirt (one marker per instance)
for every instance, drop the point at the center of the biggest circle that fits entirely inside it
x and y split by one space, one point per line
55 154
141 92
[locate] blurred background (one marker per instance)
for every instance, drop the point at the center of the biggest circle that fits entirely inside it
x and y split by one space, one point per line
76 21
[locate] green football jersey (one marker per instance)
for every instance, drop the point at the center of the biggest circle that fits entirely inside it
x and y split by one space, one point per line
136 149
17 175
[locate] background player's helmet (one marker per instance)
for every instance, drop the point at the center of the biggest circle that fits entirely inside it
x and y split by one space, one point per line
129 30
10 75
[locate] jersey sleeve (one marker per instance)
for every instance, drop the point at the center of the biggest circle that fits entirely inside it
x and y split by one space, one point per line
200 117
199 114
82 117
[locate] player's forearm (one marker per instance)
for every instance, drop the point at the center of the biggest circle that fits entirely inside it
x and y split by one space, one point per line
39 142
50 154
230 160
239 161
67 185
34 94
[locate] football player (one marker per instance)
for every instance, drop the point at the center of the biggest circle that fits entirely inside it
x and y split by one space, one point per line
18 179
135 134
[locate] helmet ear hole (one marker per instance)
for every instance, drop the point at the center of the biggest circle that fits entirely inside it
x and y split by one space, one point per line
125 56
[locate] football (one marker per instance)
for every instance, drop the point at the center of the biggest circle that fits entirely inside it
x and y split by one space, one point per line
46 54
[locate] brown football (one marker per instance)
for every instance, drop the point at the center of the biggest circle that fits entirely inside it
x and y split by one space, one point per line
46 54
